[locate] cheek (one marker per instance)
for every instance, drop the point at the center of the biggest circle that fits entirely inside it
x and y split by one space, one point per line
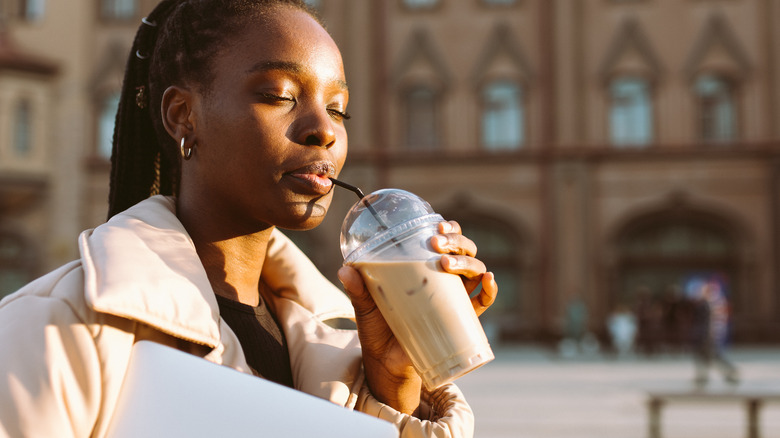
343 147
244 140
218 132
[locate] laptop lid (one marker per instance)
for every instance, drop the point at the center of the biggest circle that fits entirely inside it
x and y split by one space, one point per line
169 393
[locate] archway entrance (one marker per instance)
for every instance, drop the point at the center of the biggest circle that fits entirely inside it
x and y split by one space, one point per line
660 257
666 252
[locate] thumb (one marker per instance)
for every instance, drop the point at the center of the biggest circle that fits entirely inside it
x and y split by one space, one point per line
356 290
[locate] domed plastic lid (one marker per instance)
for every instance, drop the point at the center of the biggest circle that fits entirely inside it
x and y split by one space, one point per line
379 217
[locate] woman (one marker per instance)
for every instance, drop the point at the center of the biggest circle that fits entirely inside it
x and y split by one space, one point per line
233 111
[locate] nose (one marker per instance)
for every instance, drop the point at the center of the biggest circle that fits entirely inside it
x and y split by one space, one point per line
316 129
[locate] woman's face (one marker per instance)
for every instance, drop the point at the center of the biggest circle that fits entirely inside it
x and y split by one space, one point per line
270 129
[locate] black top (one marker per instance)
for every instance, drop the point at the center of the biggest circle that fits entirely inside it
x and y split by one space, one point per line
261 338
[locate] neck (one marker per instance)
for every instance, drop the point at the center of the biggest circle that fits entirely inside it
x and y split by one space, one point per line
233 263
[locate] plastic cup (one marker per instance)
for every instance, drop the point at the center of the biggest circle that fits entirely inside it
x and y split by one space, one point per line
386 237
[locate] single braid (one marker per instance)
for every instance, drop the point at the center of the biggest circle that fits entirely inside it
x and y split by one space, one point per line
135 143
174 46
156 185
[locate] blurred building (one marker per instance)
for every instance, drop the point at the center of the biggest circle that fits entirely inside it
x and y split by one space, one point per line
607 150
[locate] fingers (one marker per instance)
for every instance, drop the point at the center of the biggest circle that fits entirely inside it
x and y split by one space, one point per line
459 252
466 266
487 296
452 243
449 227
475 274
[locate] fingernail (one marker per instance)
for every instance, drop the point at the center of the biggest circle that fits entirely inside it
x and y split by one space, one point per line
440 240
452 262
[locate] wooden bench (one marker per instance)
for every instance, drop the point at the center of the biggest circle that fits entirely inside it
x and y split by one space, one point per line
752 399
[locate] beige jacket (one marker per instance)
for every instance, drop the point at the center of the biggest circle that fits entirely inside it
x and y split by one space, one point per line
66 337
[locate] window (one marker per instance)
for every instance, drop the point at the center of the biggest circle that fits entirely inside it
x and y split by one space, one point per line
105 135
502 116
420 4
314 4
22 137
118 9
421 122
631 112
717 115
32 10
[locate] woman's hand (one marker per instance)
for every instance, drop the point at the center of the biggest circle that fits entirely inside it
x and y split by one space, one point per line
460 259
389 372
391 377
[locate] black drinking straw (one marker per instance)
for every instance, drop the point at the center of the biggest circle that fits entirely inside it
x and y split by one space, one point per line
362 197
352 188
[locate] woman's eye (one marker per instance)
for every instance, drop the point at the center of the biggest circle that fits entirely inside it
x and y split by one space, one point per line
276 97
339 115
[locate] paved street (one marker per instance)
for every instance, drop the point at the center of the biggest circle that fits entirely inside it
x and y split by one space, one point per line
528 392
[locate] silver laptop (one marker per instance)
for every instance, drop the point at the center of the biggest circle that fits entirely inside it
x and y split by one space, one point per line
168 393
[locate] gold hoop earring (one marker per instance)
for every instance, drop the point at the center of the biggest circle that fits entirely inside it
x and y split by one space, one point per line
186 153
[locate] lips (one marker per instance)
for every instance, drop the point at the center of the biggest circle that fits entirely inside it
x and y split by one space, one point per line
314 177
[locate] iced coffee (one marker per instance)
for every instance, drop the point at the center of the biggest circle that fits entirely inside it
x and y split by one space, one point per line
430 314
386 237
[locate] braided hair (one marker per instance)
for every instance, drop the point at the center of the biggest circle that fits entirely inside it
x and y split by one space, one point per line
173 46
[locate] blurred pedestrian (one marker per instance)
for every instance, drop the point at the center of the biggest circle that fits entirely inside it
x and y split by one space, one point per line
622 328
577 339
710 323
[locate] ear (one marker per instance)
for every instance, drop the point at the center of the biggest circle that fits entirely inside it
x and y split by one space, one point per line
176 111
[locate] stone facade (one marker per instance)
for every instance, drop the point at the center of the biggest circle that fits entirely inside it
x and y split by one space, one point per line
595 149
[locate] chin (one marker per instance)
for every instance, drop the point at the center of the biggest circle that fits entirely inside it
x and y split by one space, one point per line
306 225
306 221
301 216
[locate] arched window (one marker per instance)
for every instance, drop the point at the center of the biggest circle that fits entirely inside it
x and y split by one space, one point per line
420 4
106 121
118 9
717 114
502 116
22 139
32 10
630 112
421 118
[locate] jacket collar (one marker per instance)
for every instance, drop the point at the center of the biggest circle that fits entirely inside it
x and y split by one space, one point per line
142 265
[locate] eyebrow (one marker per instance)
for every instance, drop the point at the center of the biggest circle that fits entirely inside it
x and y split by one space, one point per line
286 66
